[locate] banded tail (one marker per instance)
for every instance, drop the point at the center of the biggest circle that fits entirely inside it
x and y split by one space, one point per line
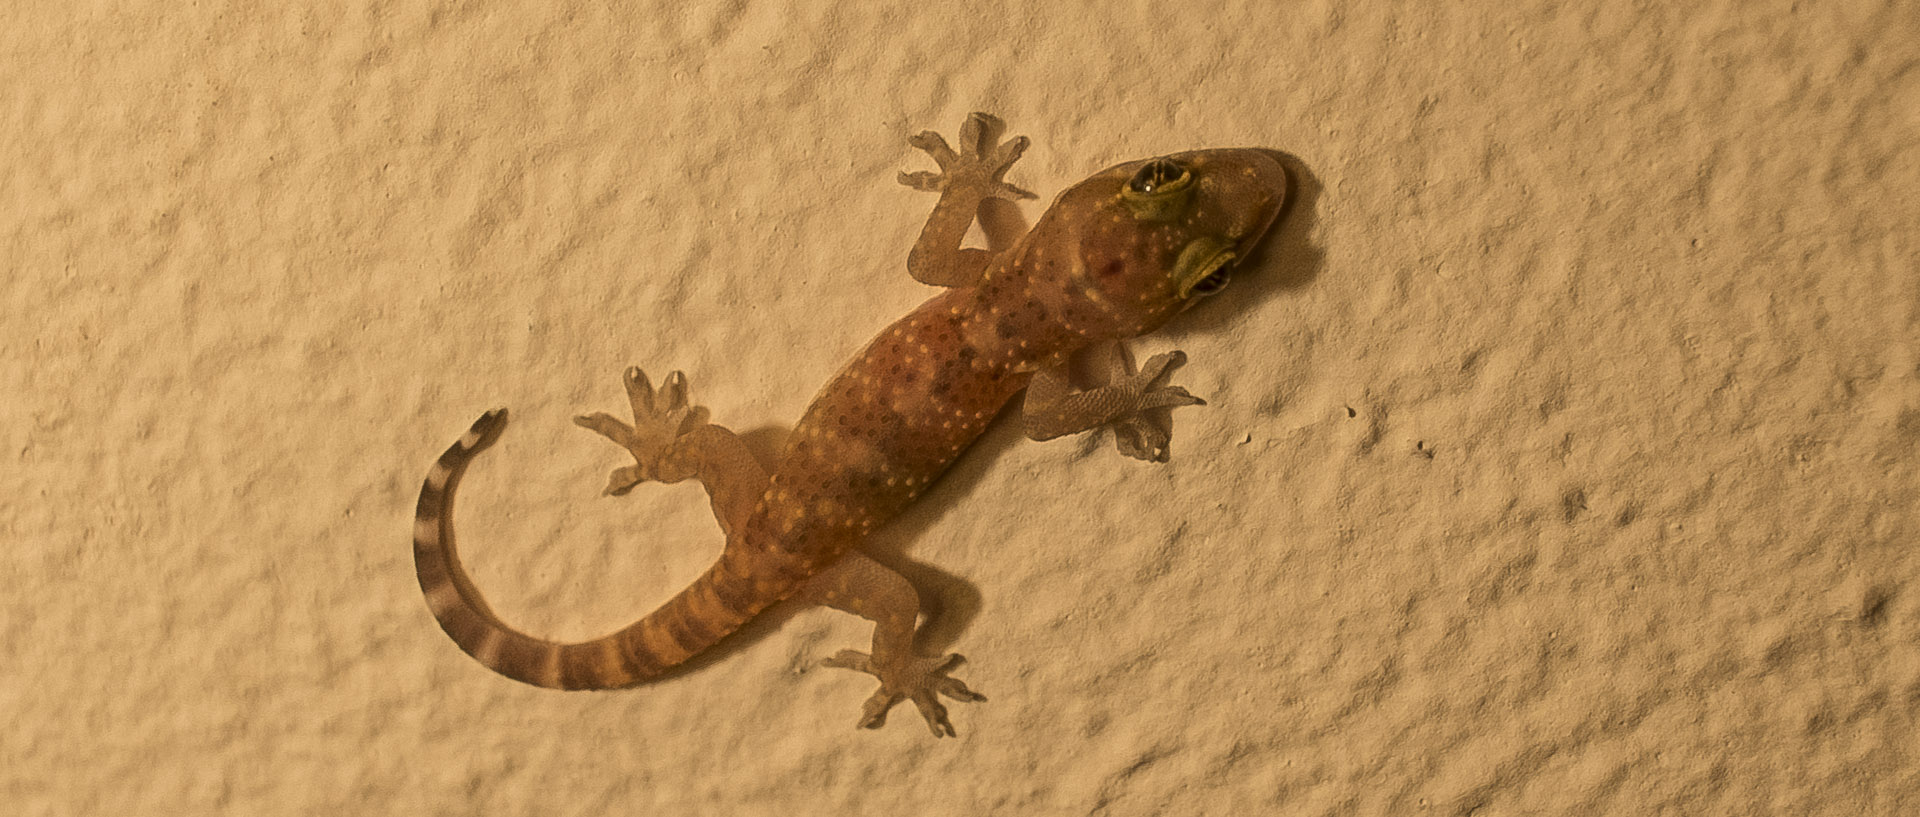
708 610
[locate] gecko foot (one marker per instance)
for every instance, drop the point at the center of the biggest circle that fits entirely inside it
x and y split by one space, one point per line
1145 434
659 418
980 162
921 680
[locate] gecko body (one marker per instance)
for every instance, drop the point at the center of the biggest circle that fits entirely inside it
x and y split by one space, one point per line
1114 257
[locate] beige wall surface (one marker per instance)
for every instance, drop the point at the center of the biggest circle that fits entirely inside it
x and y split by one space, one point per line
1560 454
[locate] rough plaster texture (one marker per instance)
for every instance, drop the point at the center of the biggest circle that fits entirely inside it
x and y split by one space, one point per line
1560 457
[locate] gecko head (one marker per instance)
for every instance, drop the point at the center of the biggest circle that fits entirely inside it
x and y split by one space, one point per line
1147 239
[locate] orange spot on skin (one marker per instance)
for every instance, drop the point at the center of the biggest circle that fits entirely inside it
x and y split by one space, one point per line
899 413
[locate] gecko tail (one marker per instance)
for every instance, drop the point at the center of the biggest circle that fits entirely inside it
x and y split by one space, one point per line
712 607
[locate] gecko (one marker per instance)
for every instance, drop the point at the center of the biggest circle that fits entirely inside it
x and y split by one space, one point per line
1114 257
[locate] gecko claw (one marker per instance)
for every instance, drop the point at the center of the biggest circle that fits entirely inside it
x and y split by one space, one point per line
1139 439
921 180
623 480
921 680
933 144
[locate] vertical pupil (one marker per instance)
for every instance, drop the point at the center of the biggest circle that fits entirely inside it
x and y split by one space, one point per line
1156 174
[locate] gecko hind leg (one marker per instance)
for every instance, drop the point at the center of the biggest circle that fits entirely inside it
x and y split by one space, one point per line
668 446
859 585
659 417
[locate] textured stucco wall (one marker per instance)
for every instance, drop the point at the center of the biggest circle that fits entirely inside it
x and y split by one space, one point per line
1560 458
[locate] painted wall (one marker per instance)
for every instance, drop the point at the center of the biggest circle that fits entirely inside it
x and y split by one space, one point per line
1560 458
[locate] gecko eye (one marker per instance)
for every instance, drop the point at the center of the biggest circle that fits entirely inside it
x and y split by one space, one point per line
1156 175
1159 191
1214 282
1203 267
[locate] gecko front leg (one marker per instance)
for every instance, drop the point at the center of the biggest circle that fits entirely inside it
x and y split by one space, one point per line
1127 402
966 179
859 585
